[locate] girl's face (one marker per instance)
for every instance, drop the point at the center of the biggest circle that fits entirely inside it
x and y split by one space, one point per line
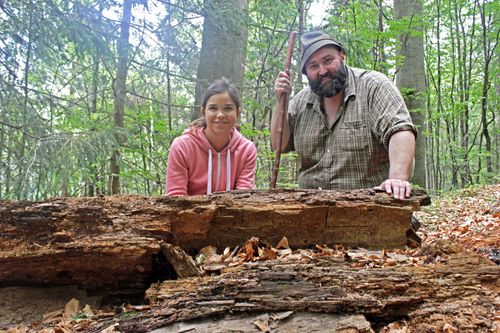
221 113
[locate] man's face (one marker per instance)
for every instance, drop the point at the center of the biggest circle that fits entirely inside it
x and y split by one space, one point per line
326 71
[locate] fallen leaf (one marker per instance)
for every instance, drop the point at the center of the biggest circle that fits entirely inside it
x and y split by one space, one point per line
325 250
208 251
226 253
87 310
267 254
262 325
71 308
200 259
283 243
251 248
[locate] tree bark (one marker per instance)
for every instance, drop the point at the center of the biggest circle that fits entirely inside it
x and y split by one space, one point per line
487 53
458 291
120 93
411 78
109 242
439 287
223 47
183 264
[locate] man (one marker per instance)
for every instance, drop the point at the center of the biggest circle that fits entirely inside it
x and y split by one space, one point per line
350 128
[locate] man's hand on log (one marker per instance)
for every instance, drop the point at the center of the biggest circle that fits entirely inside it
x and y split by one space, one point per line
400 189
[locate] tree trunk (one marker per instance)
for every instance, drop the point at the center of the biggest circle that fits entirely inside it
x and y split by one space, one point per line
83 240
301 12
380 59
411 77
23 174
459 292
486 87
450 120
496 115
223 47
93 175
438 185
465 76
120 93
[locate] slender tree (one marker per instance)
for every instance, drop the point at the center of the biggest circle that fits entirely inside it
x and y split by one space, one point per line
411 76
487 54
119 89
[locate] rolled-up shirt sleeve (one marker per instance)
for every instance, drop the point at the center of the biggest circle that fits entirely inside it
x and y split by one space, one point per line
388 111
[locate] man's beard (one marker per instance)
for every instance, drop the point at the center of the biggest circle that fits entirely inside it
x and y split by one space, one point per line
331 87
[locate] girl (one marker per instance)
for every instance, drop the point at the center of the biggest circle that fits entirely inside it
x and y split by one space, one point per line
211 155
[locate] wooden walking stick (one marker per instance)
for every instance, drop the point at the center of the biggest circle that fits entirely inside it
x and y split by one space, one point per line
282 109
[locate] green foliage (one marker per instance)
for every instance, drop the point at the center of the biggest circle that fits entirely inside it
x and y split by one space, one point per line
58 67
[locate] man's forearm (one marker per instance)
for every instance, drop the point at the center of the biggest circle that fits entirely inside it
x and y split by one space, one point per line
276 130
402 155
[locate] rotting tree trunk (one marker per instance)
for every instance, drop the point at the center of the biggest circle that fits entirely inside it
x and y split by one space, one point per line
109 242
458 290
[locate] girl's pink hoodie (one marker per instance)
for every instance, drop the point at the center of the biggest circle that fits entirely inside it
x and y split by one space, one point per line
192 160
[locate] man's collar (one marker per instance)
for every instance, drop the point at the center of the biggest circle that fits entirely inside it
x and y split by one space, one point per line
350 89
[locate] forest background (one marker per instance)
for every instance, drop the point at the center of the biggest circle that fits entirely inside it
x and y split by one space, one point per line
92 93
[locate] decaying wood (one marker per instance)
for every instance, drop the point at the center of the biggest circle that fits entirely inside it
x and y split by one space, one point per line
427 297
284 322
183 264
109 242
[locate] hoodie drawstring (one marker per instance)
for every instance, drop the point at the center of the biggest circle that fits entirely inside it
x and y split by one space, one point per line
209 176
228 171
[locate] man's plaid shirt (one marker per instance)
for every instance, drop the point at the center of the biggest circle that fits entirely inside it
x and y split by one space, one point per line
353 152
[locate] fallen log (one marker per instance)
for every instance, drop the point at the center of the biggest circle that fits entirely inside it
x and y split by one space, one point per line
447 290
110 242
458 291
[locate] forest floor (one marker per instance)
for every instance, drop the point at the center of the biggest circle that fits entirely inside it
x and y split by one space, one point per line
469 218
466 220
